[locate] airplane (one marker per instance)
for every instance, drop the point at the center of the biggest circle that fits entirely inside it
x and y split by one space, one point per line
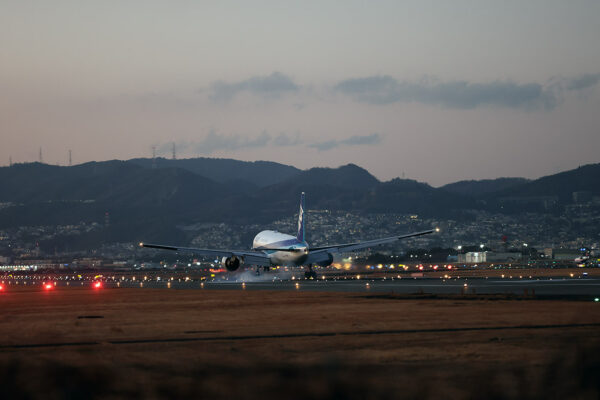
272 248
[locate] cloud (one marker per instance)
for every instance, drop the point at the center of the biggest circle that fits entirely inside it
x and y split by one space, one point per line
582 82
214 142
371 139
283 140
461 94
273 85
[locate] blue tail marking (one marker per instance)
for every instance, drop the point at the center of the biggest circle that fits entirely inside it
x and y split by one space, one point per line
300 234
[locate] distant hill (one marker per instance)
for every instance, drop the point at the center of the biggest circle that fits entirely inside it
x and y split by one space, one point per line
352 188
484 186
223 170
136 198
409 196
151 203
347 176
561 185
331 188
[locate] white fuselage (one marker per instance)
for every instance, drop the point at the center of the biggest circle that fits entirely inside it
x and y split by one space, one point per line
266 240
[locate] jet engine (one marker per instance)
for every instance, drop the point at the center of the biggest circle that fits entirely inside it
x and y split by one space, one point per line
324 260
231 263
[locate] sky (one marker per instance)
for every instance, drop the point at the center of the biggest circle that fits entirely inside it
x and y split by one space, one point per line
436 91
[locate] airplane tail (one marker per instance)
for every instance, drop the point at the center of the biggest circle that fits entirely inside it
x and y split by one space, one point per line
300 235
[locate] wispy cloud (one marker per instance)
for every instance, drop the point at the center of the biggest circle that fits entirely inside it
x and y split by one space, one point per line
273 85
374 138
283 140
461 94
214 142
582 82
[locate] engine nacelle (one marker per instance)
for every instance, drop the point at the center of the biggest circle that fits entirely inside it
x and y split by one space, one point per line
231 263
325 260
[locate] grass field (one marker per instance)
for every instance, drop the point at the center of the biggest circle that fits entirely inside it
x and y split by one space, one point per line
159 343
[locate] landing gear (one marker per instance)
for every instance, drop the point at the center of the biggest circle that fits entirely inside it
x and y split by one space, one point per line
310 273
264 268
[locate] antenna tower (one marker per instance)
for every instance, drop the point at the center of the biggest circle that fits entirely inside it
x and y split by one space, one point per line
10 161
41 158
153 157
174 151
70 158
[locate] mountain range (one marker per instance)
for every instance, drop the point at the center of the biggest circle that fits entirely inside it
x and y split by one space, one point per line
151 198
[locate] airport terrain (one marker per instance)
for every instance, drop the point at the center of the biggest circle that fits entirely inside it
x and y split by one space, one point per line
157 343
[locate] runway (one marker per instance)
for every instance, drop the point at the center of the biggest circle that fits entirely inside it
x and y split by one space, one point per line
566 286
576 285
542 286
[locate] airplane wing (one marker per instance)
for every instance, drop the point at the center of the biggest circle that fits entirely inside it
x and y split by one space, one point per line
250 257
344 248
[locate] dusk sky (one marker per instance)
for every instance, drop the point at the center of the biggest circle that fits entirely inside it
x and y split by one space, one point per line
437 91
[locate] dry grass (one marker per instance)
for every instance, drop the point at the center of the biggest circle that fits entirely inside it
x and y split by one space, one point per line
153 343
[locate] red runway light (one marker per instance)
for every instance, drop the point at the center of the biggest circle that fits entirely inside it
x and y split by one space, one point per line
48 286
97 285
1 288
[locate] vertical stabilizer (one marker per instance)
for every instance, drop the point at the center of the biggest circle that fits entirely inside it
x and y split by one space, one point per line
300 235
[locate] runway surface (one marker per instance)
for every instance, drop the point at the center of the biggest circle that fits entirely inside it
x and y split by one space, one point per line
518 286
434 286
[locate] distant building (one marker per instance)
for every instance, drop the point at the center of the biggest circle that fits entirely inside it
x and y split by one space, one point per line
476 257
545 202
582 197
566 254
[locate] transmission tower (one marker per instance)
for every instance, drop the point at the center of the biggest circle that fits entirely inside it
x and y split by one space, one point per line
153 157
